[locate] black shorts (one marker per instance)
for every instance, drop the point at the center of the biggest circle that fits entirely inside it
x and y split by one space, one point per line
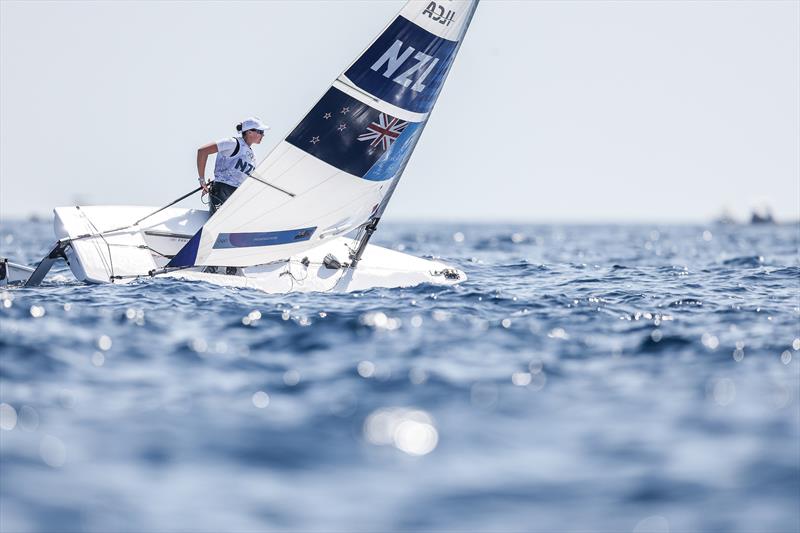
219 193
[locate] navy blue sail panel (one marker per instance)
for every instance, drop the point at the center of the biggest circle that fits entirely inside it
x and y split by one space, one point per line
347 134
406 66
188 254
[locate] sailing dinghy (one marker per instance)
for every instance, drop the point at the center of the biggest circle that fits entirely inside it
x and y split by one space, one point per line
284 229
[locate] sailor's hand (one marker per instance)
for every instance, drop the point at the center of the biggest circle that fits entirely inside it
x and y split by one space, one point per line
204 185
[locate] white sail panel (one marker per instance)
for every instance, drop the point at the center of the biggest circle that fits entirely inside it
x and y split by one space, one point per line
349 88
447 19
326 198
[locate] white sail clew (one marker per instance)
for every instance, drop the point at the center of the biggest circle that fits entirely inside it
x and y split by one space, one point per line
333 170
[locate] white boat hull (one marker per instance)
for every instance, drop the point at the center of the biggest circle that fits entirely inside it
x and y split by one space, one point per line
142 251
12 273
379 267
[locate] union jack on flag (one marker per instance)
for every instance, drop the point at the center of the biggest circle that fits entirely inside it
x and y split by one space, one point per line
384 132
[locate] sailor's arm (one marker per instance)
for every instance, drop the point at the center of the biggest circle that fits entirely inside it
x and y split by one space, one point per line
202 157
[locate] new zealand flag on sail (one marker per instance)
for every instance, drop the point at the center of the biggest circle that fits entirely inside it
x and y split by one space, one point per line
349 134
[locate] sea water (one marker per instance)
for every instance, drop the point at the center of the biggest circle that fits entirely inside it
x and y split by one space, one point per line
605 378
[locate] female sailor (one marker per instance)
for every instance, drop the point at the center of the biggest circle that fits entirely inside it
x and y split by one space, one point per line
235 160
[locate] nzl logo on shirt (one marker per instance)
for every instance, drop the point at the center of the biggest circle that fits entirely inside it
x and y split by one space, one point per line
243 166
397 56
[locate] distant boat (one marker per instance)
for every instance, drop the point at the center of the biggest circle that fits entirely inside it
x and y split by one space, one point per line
283 229
762 215
725 218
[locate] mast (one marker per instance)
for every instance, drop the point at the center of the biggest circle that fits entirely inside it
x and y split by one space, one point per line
372 224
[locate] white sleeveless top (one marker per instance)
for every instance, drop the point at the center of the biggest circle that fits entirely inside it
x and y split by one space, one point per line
233 169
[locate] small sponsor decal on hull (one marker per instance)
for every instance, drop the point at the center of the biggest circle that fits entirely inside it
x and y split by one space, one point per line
262 238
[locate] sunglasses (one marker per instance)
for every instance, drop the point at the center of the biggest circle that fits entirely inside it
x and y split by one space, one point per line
260 132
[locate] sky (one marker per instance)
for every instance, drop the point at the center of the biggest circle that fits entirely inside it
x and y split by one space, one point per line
554 111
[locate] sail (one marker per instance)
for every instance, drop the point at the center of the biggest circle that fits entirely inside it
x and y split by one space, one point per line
334 169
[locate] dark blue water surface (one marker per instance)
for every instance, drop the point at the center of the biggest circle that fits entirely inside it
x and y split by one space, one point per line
604 378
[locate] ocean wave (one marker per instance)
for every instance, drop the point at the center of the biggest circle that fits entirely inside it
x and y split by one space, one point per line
605 372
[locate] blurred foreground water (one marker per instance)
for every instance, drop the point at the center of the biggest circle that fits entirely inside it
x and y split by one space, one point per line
607 378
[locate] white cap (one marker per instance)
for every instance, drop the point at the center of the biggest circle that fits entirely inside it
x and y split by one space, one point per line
253 123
